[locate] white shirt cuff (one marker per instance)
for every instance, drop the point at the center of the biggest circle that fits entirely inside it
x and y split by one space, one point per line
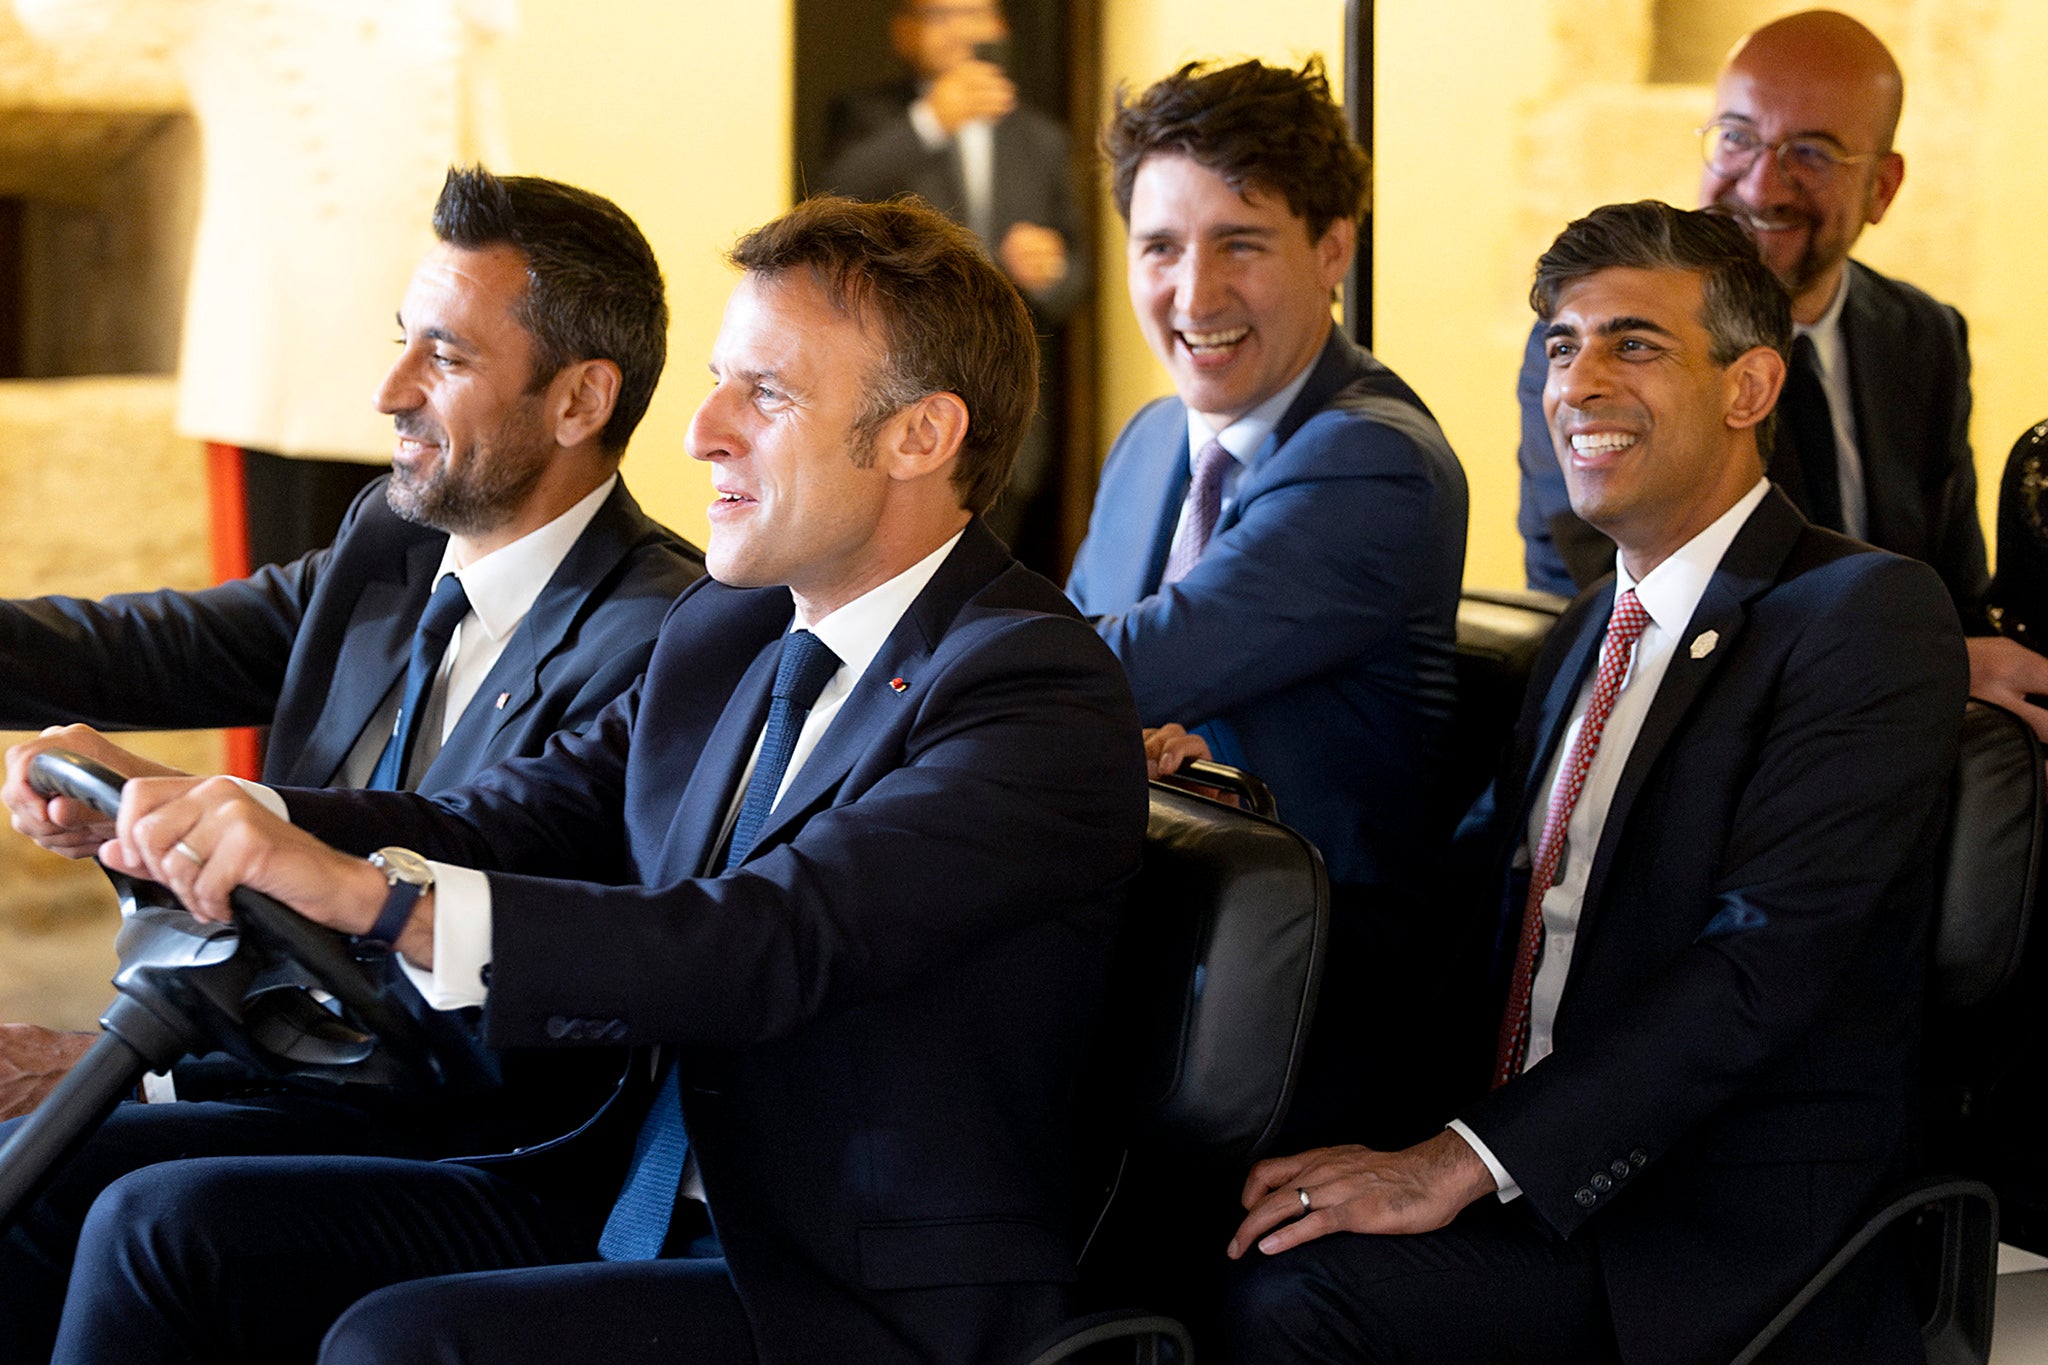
1509 1191
462 940
930 131
159 1088
264 797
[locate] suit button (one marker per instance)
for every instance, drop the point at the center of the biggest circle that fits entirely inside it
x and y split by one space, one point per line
556 1027
1621 1169
1600 1182
615 1031
1639 1158
1584 1197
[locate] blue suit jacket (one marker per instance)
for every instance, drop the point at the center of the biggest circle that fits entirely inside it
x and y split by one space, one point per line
1738 1031
1313 644
883 1011
1909 382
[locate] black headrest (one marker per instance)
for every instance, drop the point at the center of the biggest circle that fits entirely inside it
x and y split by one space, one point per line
1216 977
1991 860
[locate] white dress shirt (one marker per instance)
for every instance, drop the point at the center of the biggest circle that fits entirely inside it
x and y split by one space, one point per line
1670 594
855 633
1832 353
1249 440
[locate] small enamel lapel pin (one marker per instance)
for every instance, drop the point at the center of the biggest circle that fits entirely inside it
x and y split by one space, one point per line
898 685
1704 642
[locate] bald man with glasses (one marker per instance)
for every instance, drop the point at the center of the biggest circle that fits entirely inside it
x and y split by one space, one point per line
1873 430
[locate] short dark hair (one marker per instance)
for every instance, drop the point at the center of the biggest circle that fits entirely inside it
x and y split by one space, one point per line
1257 126
947 319
1743 304
593 287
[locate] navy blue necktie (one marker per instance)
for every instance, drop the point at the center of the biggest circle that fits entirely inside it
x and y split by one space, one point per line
639 1219
445 610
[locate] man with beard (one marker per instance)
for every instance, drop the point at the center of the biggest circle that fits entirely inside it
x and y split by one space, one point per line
503 554
1875 436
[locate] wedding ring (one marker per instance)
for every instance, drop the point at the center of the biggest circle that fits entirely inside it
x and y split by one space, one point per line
182 847
1301 1192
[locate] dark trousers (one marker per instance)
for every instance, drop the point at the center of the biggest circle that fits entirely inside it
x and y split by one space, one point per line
254 1260
1493 1288
36 1253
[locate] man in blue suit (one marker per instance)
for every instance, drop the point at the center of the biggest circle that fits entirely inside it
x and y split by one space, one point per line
1275 552
534 334
852 849
1713 853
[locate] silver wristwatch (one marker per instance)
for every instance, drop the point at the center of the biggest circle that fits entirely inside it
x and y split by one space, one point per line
409 877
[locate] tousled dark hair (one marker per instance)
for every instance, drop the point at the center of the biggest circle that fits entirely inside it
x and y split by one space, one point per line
1744 305
948 321
593 287
1257 126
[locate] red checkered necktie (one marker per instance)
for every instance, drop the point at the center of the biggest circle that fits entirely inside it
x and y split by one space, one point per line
1624 628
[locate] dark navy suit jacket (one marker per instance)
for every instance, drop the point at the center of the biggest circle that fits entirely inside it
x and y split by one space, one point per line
1739 1027
1313 644
883 1011
1909 382
312 648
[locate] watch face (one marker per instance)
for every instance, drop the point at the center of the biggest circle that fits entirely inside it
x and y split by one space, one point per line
404 865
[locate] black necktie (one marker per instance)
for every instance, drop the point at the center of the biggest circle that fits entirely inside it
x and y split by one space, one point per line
639 1220
445 609
1805 419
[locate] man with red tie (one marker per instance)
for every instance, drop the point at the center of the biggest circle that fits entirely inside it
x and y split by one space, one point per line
1715 836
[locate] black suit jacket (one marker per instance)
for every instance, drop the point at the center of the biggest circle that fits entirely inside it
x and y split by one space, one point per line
882 1012
1909 382
311 649
875 153
1739 1027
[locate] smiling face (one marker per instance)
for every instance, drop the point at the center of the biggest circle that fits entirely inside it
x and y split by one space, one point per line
1782 86
1231 293
799 501
1654 437
473 442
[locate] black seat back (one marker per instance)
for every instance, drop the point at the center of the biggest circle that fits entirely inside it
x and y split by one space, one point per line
1216 977
1500 633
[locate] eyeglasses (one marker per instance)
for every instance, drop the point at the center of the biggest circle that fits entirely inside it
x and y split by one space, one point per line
1730 149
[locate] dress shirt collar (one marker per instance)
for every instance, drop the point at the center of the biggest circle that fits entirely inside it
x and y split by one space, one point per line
1671 592
856 631
503 584
1247 436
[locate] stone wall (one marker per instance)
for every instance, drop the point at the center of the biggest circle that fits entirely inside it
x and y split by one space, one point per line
100 497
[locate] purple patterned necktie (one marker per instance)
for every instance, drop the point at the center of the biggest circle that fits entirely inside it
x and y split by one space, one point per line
1199 512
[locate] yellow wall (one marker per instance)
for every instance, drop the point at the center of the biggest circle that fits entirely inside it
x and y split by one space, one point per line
680 113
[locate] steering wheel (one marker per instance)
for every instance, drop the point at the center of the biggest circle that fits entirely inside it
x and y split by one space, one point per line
187 986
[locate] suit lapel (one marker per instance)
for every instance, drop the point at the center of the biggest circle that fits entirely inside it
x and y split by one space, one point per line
1749 568
1165 487
1557 708
872 709
376 647
1890 480
563 602
714 781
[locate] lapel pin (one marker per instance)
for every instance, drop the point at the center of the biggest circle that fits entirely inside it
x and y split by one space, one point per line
898 685
503 697
1704 642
